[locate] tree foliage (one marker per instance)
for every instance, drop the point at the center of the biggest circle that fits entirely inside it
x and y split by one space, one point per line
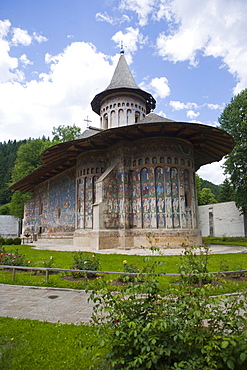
227 192
234 120
27 160
64 133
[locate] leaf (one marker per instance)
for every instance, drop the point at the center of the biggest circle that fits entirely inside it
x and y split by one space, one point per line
224 344
230 364
243 356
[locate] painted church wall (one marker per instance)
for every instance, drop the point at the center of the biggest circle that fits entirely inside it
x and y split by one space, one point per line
52 209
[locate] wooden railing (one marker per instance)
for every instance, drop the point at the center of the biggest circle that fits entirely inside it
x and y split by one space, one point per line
51 269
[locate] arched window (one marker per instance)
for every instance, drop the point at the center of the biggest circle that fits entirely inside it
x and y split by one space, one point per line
113 117
140 161
169 160
105 122
128 117
147 160
161 159
137 117
120 117
154 160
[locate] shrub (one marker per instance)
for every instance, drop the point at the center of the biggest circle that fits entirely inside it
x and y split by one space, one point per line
132 268
83 261
194 262
187 329
17 241
9 241
2 240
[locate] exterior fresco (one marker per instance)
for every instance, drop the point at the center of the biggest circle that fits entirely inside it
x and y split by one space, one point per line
52 209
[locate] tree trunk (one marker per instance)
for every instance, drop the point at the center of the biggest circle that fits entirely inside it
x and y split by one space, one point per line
245 223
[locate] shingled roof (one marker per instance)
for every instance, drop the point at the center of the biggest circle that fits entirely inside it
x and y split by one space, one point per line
123 81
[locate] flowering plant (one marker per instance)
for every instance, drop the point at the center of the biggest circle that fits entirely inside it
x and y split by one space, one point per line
84 261
132 268
12 258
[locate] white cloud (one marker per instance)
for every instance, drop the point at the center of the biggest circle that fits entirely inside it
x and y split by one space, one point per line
212 172
104 17
191 114
61 96
131 39
177 105
217 29
39 38
214 106
21 37
24 60
142 7
4 28
158 86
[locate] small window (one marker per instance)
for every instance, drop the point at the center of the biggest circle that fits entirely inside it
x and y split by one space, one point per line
88 170
182 161
134 163
146 160
162 160
140 162
176 161
154 160
169 160
92 170
97 169
102 169
188 163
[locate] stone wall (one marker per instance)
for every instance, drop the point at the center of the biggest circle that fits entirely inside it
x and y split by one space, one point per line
221 219
9 226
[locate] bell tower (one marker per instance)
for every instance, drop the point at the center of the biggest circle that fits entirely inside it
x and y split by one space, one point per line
122 103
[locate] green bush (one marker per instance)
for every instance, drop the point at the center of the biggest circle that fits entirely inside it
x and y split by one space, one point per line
83 261
2 240
17 241
194 262
9 241
185 329
131 268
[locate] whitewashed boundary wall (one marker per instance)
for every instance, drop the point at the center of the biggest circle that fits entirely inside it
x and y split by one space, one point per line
221 219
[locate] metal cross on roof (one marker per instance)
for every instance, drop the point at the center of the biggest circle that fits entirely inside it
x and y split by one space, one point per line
87 120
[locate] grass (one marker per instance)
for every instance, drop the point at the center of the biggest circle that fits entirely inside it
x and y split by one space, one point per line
239 240
30 344
114 262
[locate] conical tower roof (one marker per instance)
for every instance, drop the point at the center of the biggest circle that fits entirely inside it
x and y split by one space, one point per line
123 81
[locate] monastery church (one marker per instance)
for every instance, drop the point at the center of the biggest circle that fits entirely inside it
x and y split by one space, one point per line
133 176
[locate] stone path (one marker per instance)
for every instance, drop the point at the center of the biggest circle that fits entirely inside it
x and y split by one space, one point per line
45 304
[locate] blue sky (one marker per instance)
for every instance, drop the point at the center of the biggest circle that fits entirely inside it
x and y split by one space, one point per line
55 56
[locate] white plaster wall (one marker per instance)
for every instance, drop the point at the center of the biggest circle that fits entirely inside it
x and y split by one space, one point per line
9 226
226 219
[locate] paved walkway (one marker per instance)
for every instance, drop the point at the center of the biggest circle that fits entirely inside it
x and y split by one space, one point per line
45 304
66 305
214 249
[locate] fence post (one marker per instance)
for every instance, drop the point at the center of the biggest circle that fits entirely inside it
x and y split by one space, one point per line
47 275
13 273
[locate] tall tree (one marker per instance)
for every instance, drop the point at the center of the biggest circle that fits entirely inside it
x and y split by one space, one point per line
65 133
27 160
234 120
226 192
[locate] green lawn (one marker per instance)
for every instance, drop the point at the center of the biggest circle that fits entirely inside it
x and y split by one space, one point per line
114 262
29 344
